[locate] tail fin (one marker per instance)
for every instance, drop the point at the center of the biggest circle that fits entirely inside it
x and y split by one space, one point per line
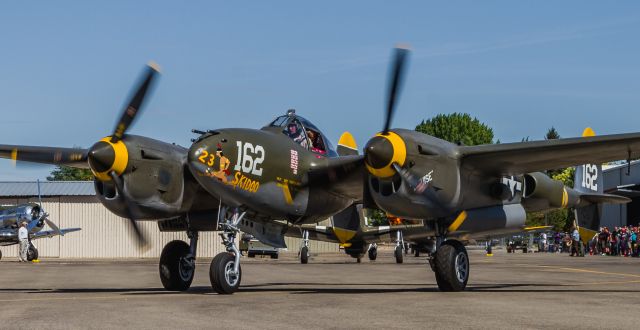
348 223
347 145
589 180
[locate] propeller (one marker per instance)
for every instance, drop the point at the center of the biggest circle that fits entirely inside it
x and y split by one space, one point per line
45 216
136 102
131 210
386 147
52 225
398 66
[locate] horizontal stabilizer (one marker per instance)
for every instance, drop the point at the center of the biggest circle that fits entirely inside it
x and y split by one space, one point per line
605 198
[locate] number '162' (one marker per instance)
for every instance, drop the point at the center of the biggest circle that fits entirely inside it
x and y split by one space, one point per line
250 158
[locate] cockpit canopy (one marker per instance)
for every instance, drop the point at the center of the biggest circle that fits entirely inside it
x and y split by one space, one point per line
304 133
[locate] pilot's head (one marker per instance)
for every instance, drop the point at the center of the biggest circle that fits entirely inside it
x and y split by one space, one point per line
292 128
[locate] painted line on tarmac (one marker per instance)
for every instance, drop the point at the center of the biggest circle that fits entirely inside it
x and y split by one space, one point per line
579 270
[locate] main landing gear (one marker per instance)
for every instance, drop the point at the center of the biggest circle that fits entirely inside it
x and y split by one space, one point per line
178 263
373 251
225 272
32 252
304 250
399 247
450 263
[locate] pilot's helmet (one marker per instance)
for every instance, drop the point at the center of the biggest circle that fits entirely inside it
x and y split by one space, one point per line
292 127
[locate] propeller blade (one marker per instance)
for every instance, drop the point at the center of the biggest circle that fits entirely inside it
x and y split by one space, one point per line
130 209
419 186
73 157
396 78
53 226
136 102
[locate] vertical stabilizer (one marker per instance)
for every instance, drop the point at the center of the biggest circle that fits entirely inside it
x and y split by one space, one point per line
588 179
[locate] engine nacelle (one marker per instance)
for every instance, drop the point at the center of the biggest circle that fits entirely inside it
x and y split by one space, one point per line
153 179
542 192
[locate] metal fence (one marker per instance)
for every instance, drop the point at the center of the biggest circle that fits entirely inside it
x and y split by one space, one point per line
105 235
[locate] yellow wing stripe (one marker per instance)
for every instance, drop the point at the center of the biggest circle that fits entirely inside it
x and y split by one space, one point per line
565 197
458 221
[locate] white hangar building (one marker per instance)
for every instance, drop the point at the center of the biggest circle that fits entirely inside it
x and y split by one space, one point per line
73 204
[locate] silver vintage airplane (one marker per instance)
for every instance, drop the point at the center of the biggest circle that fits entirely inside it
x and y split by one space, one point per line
34 215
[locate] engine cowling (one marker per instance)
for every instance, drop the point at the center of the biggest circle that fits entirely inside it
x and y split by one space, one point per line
153 179
542 192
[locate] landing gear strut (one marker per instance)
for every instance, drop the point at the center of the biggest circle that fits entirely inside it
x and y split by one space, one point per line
373 251
304 250
178 263
225 272
399 247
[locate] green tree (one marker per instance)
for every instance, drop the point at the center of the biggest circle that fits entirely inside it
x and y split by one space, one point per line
552 134
378 218
457 128
65 173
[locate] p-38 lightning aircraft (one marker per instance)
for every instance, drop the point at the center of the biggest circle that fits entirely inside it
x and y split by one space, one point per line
35 217
251 179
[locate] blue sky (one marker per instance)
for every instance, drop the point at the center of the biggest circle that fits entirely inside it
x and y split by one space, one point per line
521 67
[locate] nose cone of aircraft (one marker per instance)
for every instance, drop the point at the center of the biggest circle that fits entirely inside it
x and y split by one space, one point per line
378 152
101 156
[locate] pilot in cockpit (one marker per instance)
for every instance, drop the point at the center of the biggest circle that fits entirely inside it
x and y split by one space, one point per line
316 142
295 133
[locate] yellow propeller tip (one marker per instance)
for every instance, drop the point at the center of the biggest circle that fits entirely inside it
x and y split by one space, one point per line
155 66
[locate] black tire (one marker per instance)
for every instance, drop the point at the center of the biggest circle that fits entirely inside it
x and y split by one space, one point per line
358 259
416 252
174 275
220 282
251 255
304 255
373 254
398 254
32 253
274 256
0 255
452 266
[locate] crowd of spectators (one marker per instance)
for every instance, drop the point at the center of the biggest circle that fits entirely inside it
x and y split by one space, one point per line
621 241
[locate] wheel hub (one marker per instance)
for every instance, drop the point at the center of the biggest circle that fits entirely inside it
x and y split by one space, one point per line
462 267
229 274
185 269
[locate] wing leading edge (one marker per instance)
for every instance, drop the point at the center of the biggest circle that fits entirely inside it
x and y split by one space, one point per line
524 157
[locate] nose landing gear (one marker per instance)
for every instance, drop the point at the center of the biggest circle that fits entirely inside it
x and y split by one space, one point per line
225 272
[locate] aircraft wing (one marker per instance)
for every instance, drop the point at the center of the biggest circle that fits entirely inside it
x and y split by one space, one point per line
51 233
73 157
342 176
369 234
524 157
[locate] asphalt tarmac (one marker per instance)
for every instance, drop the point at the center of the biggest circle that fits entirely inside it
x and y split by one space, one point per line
332 291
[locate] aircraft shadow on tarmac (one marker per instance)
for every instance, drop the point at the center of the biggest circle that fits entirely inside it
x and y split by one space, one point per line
334 288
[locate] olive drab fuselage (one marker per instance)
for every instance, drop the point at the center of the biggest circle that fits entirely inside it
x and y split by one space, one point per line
265 171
